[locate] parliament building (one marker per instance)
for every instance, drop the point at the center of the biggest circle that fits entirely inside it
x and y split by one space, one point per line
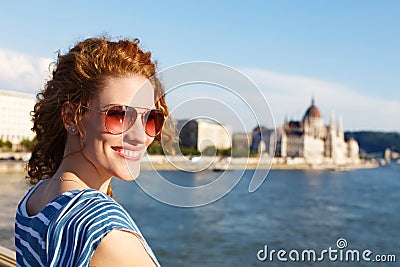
315 142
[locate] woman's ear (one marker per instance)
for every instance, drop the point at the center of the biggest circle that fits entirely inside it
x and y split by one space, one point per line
67 115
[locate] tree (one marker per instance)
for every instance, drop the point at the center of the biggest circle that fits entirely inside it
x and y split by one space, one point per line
210 151
28 144
155 148
187 151
8 145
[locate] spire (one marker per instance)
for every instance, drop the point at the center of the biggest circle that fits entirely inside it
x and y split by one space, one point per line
340 127
332 122
312 101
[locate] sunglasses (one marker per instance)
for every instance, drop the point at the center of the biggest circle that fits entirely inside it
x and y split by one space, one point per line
119 119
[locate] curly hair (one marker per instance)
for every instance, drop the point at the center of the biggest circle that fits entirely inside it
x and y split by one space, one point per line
75 78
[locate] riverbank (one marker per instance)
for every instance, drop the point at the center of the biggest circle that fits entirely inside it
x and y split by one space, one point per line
12 166
158 162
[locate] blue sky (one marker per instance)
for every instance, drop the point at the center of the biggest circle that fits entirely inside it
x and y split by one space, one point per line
344 53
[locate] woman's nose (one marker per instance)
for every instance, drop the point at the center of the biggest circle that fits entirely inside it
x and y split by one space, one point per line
137 131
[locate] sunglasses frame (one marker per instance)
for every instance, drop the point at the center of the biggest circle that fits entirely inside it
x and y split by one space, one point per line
147 110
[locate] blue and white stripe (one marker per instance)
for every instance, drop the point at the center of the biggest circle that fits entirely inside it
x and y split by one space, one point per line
68 230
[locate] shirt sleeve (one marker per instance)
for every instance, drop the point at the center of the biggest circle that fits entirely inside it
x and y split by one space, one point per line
79 228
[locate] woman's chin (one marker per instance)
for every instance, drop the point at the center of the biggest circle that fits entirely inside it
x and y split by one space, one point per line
129 172
133 169
129 175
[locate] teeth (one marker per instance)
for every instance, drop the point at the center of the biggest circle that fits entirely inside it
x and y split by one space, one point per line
130 153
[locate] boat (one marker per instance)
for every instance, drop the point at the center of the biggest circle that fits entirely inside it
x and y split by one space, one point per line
221 165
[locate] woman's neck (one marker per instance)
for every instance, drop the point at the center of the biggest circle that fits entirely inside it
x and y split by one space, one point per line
76 166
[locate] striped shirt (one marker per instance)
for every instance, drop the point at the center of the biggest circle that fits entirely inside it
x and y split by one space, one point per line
69 228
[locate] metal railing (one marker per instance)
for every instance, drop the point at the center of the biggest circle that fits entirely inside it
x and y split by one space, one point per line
7 257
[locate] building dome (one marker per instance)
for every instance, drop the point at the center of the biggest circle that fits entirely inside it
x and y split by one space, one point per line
312 113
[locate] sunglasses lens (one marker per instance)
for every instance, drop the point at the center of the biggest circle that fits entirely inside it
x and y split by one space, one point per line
120 118
153 121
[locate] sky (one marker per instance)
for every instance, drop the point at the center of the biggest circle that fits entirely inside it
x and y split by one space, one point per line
344 54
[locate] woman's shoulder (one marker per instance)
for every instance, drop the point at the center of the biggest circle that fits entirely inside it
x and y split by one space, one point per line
83 222
94 206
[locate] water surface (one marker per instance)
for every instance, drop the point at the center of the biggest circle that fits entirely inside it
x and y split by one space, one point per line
291 210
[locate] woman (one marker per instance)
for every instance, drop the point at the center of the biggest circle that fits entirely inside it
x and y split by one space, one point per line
95 118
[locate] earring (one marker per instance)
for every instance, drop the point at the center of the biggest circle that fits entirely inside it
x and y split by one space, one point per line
73 130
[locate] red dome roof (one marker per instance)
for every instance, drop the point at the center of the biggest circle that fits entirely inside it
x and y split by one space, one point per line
312 112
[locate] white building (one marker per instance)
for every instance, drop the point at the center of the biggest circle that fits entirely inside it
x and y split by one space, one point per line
316 143
241 141
201 133
15 119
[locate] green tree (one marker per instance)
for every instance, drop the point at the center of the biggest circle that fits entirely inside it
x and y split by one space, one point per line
26 143
187 151
224 152
155 148
236 153
8 145
210 151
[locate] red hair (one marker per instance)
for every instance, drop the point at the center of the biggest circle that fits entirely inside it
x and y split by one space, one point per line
76 77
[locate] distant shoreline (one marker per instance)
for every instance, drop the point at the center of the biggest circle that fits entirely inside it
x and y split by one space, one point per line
242 163
249 164
12 166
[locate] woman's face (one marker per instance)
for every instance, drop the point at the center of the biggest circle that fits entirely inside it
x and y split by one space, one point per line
117 155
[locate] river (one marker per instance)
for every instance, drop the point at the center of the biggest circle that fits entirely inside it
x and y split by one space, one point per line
292 210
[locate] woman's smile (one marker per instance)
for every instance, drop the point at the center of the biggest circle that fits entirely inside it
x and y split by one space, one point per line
133 153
